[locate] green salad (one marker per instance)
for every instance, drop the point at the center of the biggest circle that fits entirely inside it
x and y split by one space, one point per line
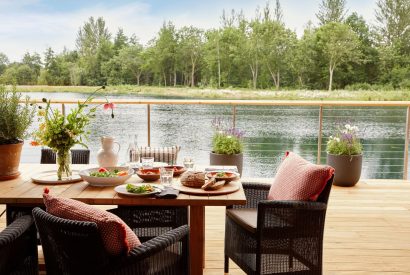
139 189
104 173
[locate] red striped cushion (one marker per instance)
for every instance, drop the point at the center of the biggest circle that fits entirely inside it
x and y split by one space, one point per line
298 179
117 237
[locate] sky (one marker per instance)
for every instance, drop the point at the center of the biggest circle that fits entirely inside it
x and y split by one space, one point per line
34 25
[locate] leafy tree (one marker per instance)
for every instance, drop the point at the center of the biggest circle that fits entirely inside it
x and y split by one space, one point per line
120 40
393 17
331 11
34 62
4 61
91 35
191 45
337 44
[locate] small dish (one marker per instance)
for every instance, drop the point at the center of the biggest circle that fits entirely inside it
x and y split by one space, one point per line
106 181
149 174
122 189
228 176
178 169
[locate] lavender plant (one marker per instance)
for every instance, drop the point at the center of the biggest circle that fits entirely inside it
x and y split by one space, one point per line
227 139
345 142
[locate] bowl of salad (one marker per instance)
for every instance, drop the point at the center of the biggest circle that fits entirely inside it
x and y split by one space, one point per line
106 176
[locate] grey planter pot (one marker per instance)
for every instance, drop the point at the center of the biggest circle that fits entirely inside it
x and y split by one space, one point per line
222 159
347 169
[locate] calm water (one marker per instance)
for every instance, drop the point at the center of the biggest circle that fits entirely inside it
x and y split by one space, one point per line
270 131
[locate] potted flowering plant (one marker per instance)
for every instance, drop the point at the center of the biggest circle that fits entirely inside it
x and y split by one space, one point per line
344 153
61 132
15 119
227 145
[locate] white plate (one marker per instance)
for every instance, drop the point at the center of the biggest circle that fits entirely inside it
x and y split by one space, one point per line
121 189
103 182
50 177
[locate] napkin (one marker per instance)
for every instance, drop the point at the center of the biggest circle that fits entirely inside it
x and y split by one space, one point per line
168 193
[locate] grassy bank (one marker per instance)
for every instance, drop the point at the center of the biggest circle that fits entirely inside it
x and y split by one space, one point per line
209 93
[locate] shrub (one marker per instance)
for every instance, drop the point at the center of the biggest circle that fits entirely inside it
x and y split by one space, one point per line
345 142
15 118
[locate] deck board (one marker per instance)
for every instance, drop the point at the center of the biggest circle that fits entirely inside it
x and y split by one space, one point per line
367 231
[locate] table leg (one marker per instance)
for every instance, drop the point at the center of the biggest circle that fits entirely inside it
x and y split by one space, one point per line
197 239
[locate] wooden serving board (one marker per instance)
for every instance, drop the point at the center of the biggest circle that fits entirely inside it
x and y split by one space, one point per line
228 188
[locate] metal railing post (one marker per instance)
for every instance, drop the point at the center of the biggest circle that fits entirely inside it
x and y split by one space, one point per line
234 116
319 138
406 145
149 123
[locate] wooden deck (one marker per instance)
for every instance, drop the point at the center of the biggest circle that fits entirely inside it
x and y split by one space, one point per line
367 230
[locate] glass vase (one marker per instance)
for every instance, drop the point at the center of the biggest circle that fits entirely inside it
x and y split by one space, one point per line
63 160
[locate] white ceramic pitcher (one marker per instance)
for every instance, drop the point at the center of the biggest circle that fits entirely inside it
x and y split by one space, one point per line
106 156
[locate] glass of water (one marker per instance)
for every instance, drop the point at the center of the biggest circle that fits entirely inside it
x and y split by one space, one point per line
147 162
189 163
166 176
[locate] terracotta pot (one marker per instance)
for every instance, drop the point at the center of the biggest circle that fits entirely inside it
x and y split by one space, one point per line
347 169
10 160
227 160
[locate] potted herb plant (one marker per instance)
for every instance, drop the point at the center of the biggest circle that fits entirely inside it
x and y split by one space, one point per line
61 132
15 119
227 145
344 153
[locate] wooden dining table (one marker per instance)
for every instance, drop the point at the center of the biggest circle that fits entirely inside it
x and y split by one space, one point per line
22 192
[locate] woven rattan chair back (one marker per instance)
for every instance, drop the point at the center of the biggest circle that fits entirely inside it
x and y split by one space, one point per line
70 247
78 156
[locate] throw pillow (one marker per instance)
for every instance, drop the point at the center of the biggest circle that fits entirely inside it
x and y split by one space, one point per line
117 237
298 179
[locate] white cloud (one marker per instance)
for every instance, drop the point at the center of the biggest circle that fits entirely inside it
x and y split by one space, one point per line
24 29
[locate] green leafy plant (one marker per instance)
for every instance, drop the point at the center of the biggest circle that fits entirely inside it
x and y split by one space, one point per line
345 142
62 132
15 117
226 140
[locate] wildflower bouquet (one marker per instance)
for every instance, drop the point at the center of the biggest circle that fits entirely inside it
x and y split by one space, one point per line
61 132
345 142
226 139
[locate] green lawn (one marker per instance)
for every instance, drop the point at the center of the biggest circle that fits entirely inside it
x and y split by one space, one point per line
209 93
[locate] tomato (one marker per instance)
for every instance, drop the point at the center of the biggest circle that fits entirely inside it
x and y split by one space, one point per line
102 170
122 173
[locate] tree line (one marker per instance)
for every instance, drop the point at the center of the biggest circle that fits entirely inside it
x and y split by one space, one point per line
342 51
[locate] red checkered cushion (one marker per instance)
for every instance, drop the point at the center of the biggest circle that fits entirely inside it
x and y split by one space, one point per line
298 179
117 237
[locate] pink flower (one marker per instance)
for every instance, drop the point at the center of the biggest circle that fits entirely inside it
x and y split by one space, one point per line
108 106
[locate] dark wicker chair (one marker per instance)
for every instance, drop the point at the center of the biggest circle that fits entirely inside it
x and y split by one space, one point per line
18 248
74 247
276 237
151 221
78 156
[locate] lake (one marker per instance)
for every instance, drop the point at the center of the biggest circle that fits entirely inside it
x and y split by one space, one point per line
269 132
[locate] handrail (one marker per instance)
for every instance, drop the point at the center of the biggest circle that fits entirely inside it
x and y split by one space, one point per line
239 102
235 103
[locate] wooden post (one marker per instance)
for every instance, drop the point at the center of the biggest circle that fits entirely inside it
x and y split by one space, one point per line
406 145
149 123
234 116
63 109
319 138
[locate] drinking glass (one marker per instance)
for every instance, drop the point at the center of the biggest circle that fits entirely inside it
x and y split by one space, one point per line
147 162
166 176
188 163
